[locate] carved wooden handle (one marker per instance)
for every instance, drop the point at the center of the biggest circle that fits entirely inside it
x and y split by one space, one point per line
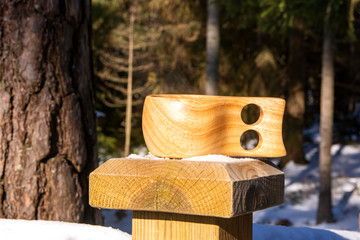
179 126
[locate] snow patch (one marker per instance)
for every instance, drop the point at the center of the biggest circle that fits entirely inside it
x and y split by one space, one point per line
205 158
266 232
54 230
215 158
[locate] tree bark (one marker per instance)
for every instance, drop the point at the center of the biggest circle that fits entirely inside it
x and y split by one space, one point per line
212 48
324 212
295 102
47 119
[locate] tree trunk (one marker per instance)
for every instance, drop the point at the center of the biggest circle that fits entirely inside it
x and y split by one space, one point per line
324 212
129 94
295 102
212 47
47 120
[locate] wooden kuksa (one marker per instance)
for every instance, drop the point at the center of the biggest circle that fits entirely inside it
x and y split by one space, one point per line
181 126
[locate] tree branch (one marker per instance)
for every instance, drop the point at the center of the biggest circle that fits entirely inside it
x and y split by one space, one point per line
110 77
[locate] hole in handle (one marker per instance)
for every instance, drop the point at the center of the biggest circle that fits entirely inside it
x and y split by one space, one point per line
249 140
250 113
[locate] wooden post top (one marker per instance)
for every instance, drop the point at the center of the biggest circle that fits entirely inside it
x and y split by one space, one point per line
221 189
180 126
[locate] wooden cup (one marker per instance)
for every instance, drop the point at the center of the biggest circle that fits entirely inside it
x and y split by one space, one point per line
181 126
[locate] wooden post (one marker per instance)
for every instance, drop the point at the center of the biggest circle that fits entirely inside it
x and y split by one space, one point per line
158 225
179 199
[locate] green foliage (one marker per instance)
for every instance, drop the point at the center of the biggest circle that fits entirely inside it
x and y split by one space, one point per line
277 17
106 15
280 15
246 12
340 20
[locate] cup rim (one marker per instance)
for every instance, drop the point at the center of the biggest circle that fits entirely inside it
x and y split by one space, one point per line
201 96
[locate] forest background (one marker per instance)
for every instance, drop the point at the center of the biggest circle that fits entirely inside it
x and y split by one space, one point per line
267 49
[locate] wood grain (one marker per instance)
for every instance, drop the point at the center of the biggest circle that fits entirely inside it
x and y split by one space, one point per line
220 189
180 126
166 226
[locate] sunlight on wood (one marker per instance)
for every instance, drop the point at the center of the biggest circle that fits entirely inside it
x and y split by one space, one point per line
179 126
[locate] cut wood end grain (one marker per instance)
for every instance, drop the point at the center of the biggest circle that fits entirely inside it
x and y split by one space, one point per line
221 189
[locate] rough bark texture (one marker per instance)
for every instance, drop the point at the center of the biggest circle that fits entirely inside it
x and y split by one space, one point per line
47 120
324 212
295 102
212 47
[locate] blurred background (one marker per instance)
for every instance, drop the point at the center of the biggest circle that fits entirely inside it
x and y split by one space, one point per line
266 49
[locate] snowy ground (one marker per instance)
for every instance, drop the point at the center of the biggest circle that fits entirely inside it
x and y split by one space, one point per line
51 230
301 191
45 230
